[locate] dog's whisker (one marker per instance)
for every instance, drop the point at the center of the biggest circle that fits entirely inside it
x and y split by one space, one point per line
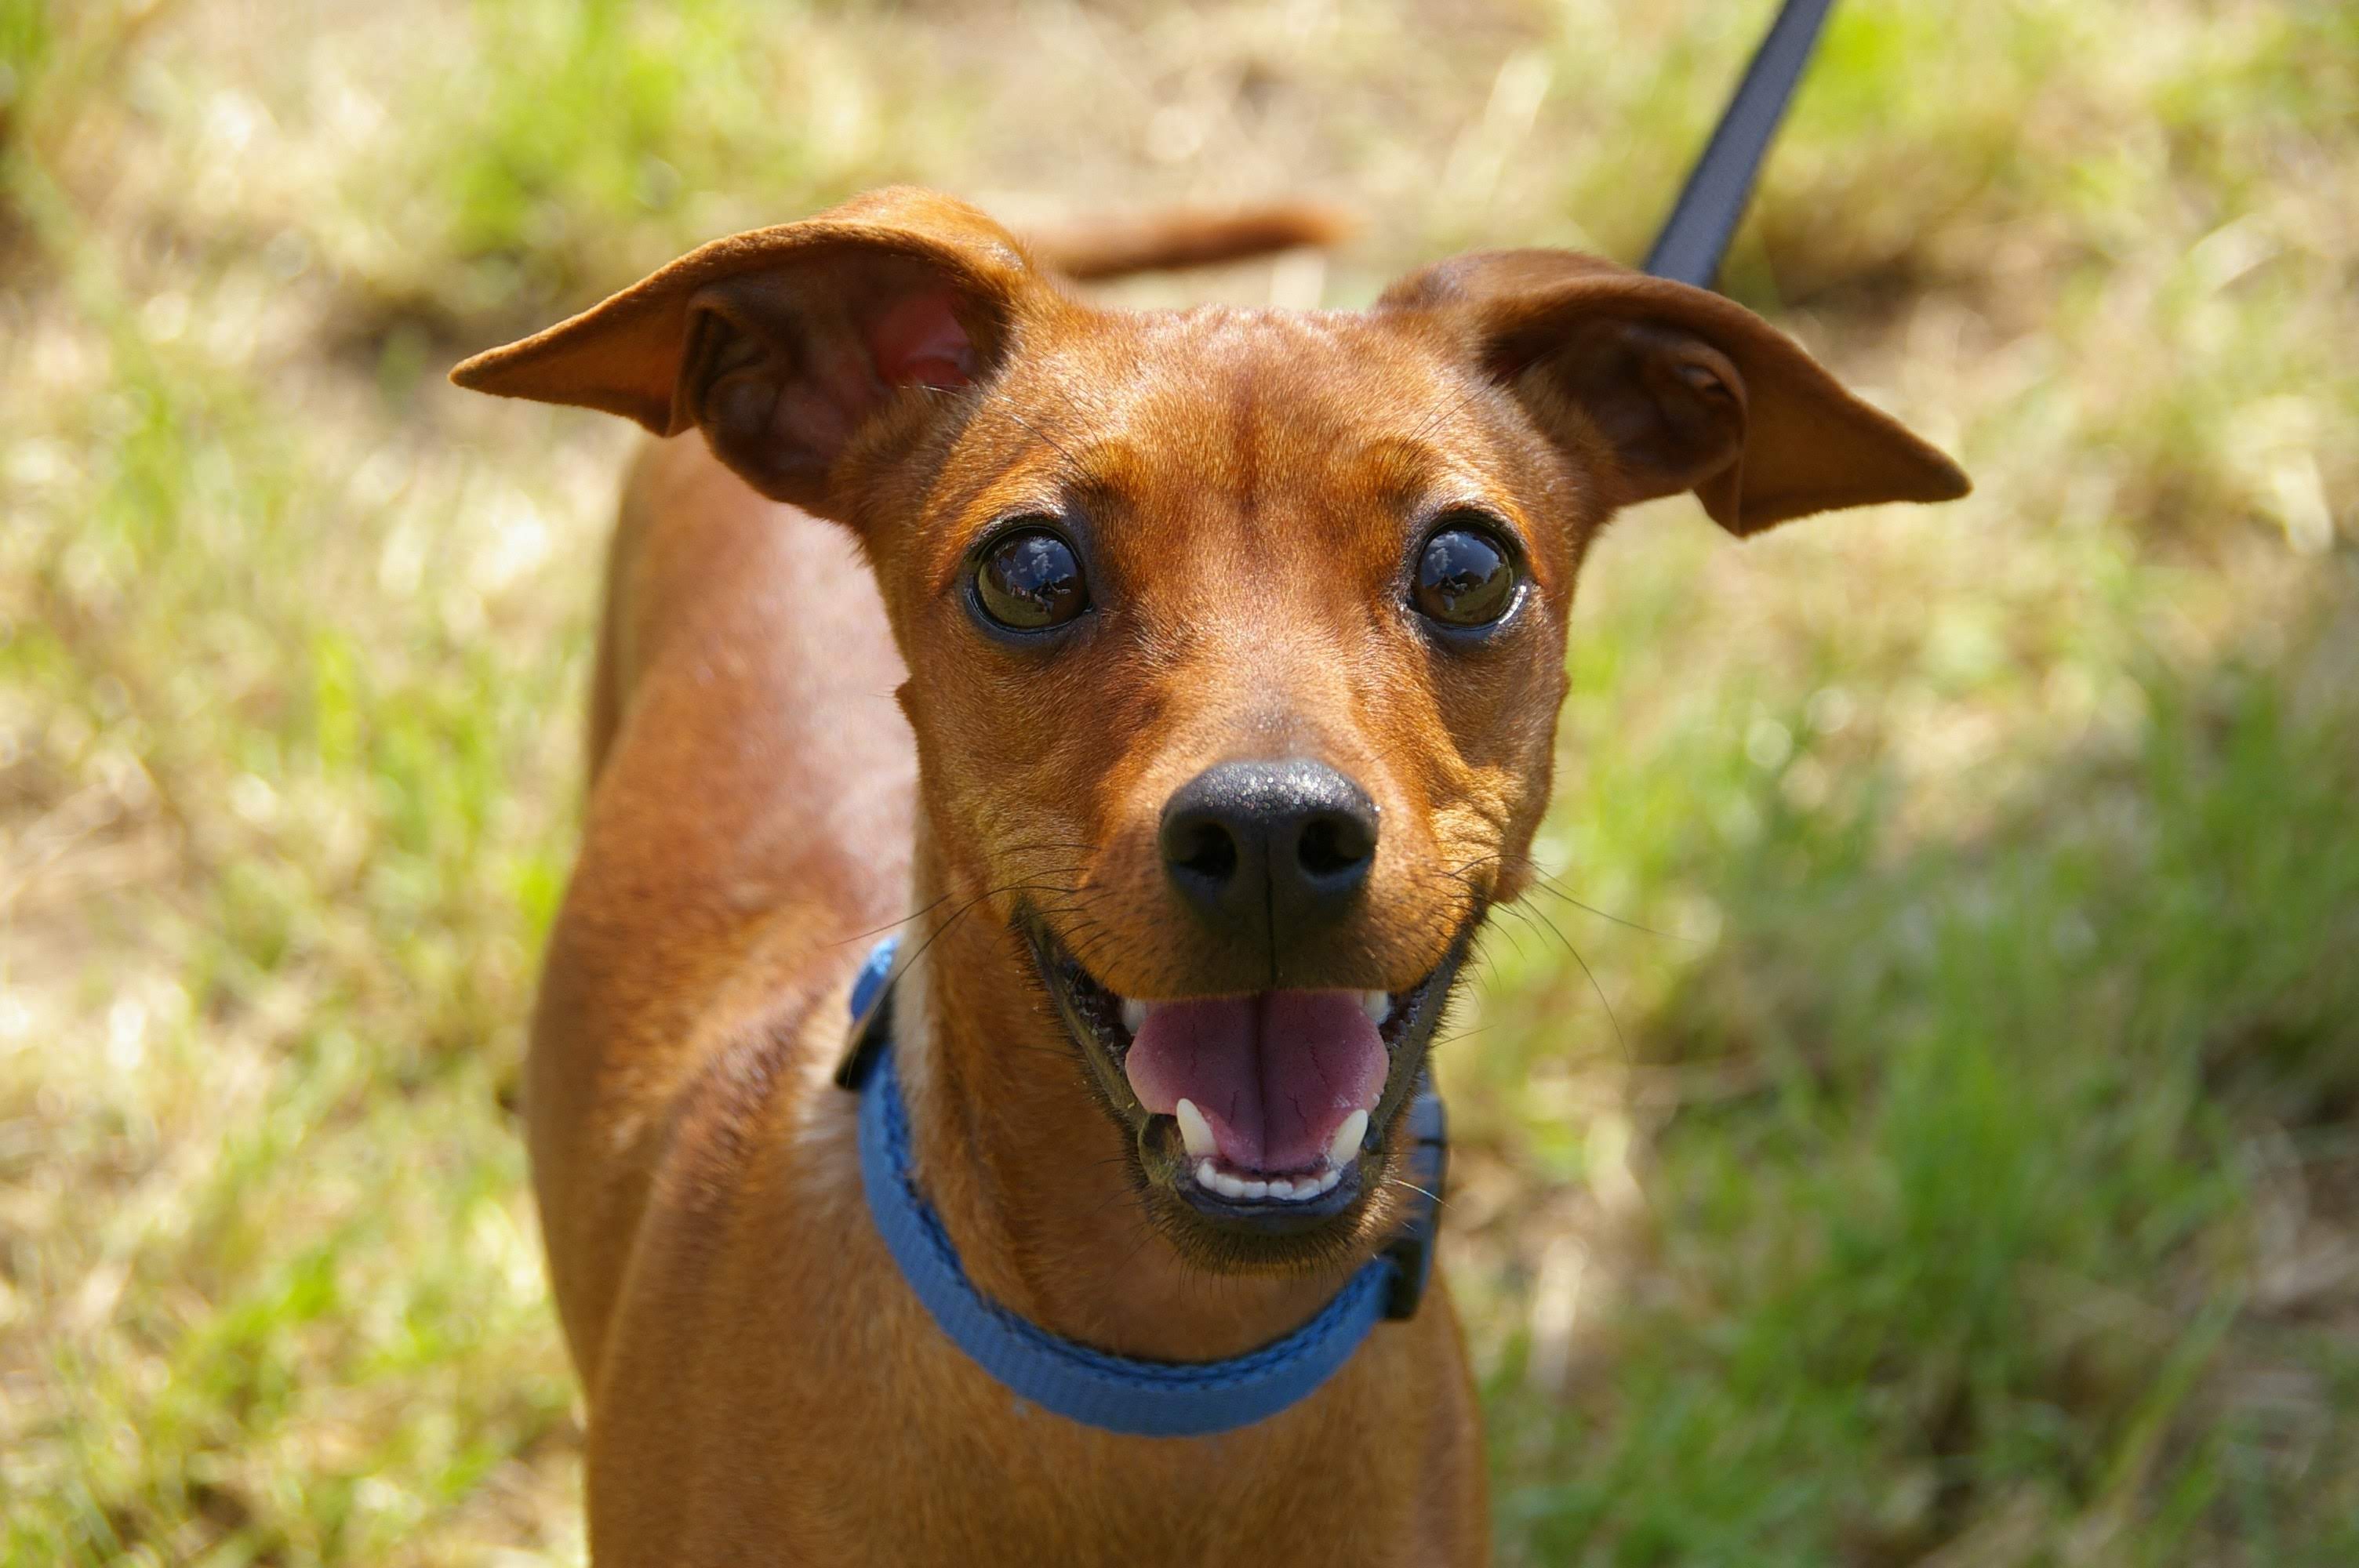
890 924
1435 1198
1543 882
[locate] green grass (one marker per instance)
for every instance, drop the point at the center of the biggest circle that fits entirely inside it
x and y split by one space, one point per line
1984 1217
1942 1148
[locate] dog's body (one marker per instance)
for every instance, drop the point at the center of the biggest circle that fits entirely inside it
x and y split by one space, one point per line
1238 489
765 1388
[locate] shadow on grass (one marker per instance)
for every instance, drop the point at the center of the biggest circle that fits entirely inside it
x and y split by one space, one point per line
2032 1232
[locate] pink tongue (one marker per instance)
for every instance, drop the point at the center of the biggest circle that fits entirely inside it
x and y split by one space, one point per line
1275 1074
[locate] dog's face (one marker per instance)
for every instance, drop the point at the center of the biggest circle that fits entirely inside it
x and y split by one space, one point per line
1236 638
1235 645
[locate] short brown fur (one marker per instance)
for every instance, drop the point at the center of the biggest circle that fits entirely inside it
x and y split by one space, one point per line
771 784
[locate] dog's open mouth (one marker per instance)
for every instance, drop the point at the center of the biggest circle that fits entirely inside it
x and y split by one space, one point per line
1264 1112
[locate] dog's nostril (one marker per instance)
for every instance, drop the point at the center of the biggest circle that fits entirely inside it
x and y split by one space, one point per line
1290 841
1205 849
1332 845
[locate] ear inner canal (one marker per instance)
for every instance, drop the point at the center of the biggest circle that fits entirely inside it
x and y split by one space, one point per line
1669 407
918 341
785 371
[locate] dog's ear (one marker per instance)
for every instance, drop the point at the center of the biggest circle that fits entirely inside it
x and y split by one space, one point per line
1660 387
793 346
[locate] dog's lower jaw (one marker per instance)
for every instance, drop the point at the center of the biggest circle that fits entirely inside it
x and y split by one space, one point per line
1343 1202
1035 1182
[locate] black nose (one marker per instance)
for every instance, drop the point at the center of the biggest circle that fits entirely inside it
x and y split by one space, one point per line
1286 842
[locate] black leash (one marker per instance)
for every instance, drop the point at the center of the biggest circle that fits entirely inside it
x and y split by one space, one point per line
1695 236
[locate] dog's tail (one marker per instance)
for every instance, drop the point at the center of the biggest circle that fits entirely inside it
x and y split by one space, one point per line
1186 237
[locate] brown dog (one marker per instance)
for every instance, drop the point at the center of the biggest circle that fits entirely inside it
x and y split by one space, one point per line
1229 644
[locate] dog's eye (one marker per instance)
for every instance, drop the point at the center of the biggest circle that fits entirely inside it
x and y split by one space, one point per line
1028 581
1464 577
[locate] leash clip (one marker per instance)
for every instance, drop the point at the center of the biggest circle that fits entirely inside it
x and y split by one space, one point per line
1411 1252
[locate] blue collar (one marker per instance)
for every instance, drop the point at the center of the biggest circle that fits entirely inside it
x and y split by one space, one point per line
1116 1393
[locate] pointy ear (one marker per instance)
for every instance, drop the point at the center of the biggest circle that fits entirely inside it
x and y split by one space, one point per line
1660 387
794 347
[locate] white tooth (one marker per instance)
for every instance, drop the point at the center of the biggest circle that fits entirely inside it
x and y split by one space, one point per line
1281 1188
1228 1186
1327 1183
1259 1189
1195 1132
1205 1176
1345 1147
1377 1005
1134 1013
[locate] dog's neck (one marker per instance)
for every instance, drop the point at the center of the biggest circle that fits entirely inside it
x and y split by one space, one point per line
1029 1171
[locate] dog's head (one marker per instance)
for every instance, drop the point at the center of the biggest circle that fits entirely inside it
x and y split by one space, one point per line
1235 637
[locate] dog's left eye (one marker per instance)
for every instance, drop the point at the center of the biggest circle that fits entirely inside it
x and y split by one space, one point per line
1028 581
1464 576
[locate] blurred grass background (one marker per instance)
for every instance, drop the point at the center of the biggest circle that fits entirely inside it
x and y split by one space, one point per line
1968 1173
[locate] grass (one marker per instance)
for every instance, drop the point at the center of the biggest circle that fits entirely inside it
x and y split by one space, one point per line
1960 1167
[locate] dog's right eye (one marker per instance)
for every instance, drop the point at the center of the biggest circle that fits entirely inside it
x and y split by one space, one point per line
1030 580
1465 580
